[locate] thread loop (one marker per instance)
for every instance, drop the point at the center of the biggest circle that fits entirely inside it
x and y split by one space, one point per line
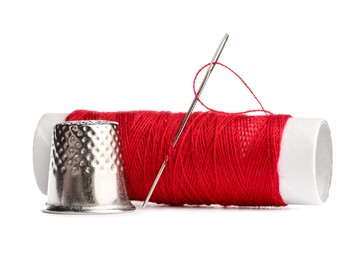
244 83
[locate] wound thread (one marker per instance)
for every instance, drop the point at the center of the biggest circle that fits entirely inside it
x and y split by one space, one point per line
223 159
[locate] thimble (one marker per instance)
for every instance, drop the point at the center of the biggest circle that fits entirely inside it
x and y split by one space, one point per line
86 173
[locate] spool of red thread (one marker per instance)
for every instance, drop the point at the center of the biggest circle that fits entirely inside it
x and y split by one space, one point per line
304 165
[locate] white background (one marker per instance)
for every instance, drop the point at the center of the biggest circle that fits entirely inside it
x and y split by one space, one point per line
303 58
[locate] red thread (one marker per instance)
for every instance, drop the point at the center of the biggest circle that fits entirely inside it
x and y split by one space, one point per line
244 83
221 158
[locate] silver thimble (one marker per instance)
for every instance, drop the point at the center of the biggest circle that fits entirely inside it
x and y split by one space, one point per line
86 172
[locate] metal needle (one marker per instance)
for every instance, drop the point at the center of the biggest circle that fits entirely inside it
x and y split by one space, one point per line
211 66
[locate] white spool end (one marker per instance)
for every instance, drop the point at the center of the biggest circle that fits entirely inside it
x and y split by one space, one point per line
305 164
41 147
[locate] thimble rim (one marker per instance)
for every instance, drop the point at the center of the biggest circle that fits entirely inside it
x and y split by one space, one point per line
89 210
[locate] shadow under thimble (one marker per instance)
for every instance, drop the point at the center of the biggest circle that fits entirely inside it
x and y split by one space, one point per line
86 172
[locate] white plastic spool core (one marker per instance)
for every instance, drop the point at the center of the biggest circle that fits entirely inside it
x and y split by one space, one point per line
305 163
324 161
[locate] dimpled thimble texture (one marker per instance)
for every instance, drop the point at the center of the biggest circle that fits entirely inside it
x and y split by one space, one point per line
86 169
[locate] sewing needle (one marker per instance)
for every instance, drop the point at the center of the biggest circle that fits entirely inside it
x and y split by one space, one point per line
211 66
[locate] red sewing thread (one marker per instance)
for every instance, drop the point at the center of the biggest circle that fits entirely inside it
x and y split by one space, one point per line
221 158
244 83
